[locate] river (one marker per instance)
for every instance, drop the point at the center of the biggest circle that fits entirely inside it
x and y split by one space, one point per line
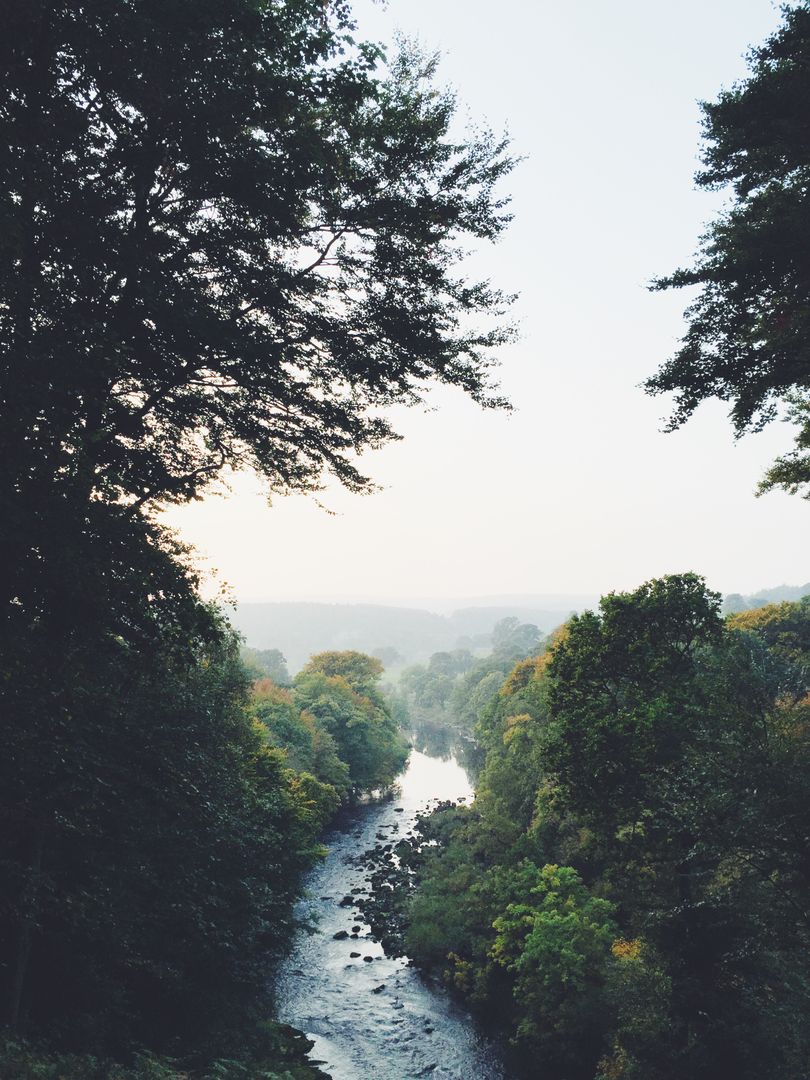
377 1019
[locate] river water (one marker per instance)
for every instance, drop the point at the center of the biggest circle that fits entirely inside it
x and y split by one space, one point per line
409 1028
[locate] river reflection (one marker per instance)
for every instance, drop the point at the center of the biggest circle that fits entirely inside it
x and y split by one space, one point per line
372 1016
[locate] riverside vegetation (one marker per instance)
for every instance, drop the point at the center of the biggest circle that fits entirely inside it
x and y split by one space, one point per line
627 896
205 864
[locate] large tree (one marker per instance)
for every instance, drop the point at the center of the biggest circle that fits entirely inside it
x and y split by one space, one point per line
748 338
230 237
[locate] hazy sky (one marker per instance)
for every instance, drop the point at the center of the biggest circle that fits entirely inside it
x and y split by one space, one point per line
577 491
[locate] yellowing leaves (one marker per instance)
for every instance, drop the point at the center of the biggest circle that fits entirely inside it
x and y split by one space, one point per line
627 950
516 725
534 667
267 690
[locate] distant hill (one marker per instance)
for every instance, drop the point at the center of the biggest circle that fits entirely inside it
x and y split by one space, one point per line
301 629
736 602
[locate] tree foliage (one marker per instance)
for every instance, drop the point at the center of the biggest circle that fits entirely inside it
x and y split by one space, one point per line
556 944
748 339
230 237
267 664
152 843
340 690
628 893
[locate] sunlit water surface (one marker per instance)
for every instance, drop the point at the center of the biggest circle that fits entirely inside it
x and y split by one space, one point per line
410 1028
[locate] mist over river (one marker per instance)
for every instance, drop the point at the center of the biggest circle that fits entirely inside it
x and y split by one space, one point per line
377 1019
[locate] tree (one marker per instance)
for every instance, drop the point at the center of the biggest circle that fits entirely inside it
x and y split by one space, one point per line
631 881
622 696
557 943
151 843
230 239
361 671
784 627
308 747
748 339
388 656
340 690
513 639
680 745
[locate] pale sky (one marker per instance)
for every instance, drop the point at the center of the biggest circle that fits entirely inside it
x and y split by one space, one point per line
578 491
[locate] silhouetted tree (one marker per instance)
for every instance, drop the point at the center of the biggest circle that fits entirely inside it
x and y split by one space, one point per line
748 340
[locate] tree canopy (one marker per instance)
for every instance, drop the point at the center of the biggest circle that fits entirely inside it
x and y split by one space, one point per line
231 236
627 895
748 338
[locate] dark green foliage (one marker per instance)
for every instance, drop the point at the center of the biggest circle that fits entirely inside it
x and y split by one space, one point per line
556 943
226 241
229 236
622 684
748 340
280 1053
663 756
155 844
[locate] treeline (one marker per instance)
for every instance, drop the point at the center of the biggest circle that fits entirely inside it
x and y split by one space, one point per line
628 895
399 636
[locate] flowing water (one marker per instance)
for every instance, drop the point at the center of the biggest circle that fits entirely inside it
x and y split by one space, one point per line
408 1028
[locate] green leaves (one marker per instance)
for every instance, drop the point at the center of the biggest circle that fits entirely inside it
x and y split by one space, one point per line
748 339
236 242
340 690
632 878
557 945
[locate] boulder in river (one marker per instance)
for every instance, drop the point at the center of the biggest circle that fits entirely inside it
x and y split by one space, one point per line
340 935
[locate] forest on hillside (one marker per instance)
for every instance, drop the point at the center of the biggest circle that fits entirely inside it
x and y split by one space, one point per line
627 894
234 239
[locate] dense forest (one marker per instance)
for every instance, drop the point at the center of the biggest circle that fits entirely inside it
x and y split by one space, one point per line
627 895
161 895
232 239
